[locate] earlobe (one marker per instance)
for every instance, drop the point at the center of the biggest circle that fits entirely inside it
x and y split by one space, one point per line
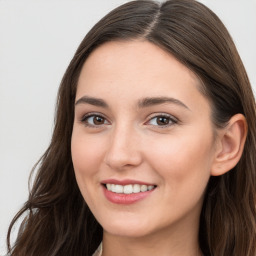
231 144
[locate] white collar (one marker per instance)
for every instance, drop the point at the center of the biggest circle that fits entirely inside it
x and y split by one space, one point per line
98 252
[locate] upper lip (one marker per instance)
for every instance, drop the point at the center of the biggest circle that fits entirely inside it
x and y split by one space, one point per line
126 182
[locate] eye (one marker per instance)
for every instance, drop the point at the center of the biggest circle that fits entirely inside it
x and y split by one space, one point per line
162 120
94 120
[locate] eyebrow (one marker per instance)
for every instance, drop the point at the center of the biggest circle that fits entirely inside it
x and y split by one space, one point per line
160 100
143 103
92 101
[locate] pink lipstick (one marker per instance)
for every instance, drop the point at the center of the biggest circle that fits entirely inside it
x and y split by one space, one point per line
126 191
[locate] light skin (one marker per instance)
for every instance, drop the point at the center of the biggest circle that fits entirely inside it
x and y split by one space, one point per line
140 115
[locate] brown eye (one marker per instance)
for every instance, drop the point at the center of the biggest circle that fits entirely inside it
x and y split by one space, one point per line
98 120
94 120
162 120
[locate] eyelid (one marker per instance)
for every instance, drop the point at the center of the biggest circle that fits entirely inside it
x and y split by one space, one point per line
173 119
91 114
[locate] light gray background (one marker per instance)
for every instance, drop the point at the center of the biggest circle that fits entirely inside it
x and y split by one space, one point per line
37 40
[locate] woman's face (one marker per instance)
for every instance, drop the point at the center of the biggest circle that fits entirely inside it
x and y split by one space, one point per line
142 142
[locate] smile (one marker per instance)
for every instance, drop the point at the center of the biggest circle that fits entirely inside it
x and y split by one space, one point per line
126 191
129 188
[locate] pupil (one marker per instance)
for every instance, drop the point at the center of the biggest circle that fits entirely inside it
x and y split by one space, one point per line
162 121
98 120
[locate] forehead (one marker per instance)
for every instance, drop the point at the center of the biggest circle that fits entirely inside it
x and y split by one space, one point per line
136 56
136 69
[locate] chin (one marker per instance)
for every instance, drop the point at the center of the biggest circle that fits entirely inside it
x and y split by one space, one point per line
126 228
127 232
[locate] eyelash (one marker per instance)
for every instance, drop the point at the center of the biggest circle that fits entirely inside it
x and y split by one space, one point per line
85 118
171 120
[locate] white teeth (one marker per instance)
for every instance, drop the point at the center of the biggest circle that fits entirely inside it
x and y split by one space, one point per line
150 187
128 189
113 187
136 188
143 188
119 189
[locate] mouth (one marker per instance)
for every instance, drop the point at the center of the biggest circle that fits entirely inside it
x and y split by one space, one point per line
126 192
129 188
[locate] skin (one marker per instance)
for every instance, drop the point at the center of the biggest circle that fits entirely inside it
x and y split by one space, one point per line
129 141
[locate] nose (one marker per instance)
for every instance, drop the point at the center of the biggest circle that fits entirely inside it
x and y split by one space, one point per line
124 149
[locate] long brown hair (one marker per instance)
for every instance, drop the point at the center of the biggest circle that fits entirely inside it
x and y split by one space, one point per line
58 221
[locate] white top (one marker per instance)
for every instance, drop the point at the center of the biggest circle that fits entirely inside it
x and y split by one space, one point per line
98 252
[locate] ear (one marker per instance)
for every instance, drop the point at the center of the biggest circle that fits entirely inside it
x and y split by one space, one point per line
230 145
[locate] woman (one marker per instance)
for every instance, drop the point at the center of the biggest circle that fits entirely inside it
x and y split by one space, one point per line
153 151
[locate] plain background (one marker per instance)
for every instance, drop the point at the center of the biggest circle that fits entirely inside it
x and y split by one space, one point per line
37 41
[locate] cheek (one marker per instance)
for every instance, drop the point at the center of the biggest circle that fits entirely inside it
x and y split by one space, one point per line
87 157
183 159
86 153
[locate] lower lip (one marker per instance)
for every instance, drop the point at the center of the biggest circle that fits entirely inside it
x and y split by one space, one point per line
125 198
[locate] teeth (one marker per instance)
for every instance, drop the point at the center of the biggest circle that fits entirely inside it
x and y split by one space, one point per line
136 188
113 187
143 188
128 189
119 189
